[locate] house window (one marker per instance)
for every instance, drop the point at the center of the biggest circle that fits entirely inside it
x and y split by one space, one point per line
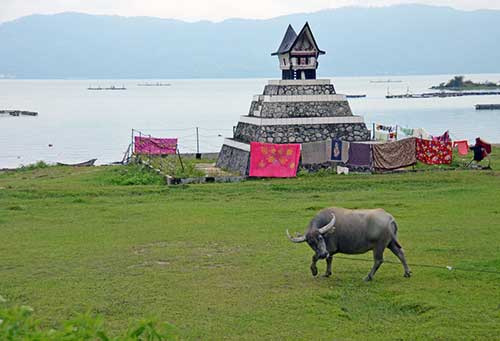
303 61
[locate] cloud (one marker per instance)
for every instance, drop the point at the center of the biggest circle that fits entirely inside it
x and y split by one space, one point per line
206 10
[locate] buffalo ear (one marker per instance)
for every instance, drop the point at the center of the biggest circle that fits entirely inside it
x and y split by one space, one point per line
299 239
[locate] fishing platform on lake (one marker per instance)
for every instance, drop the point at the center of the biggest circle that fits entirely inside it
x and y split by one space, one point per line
112 87
18 113
487 106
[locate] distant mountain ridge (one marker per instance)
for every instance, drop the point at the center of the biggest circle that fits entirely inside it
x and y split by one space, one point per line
404 39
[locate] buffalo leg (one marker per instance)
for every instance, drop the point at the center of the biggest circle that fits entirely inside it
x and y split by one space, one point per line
314 268
378 259
398 251
328 272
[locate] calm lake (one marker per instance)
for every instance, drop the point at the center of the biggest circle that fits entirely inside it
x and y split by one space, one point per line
75 124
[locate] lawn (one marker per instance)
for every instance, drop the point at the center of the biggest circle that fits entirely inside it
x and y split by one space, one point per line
213 259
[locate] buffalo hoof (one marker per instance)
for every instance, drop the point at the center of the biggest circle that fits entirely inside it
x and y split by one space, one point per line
314 271
368 279
328 274
407 274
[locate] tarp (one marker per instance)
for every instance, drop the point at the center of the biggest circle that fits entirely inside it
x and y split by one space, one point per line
316 152
274 160
154 146
434 152
340 151
393 155
360 154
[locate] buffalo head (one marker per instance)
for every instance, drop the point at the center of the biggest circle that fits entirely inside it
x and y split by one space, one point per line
314 238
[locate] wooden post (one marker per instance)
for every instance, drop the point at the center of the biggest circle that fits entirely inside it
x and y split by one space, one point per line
180 159
373 131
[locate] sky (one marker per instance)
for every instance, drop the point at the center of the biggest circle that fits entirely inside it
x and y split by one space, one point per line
213 10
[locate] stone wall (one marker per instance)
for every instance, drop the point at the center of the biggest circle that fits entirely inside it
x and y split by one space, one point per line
305 109
302 89
253 107
246 132
234 159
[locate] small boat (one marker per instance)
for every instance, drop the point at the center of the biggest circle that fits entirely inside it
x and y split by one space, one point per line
112 87
88 163
154 84
355 96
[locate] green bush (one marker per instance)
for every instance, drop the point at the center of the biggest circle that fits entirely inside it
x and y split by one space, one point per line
134 175
18 323
33 166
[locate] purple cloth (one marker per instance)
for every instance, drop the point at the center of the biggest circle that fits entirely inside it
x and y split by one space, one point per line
154 146
360 155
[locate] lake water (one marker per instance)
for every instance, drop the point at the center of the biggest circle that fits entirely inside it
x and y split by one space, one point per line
75 124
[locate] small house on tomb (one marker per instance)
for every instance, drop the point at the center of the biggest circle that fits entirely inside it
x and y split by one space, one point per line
296 109
298 54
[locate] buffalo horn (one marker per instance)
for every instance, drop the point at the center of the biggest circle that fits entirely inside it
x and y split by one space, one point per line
296 239
329 226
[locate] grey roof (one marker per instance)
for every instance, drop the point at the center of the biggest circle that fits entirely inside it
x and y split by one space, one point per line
287 42
291 37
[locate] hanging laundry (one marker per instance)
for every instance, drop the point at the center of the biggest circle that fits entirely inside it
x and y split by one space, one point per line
434 152
407 131
316 152
393 155
484 144
340 151
155 146
481 149
421 133
381 136
360 154
384 127
445 138
274 160
462 146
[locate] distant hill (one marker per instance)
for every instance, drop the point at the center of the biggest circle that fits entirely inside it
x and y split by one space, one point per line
406 39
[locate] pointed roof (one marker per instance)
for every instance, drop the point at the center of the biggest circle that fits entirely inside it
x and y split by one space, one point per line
291 38
287 42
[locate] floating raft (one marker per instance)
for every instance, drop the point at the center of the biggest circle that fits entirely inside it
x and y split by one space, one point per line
18 113
487 106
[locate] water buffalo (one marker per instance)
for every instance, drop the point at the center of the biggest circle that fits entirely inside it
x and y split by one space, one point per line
339 230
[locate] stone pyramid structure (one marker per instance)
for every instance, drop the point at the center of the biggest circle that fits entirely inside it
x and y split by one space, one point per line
293 110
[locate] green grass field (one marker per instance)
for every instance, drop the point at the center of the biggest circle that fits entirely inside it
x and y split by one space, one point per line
213 260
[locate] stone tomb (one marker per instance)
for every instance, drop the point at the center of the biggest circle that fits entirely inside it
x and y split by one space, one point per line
292 111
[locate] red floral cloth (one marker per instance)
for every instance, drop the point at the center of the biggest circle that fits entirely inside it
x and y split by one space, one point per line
154 146
434 152
274 160
462 146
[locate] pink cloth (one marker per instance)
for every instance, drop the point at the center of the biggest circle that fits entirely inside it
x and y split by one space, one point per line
274 160
445 138
462 146
154 146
